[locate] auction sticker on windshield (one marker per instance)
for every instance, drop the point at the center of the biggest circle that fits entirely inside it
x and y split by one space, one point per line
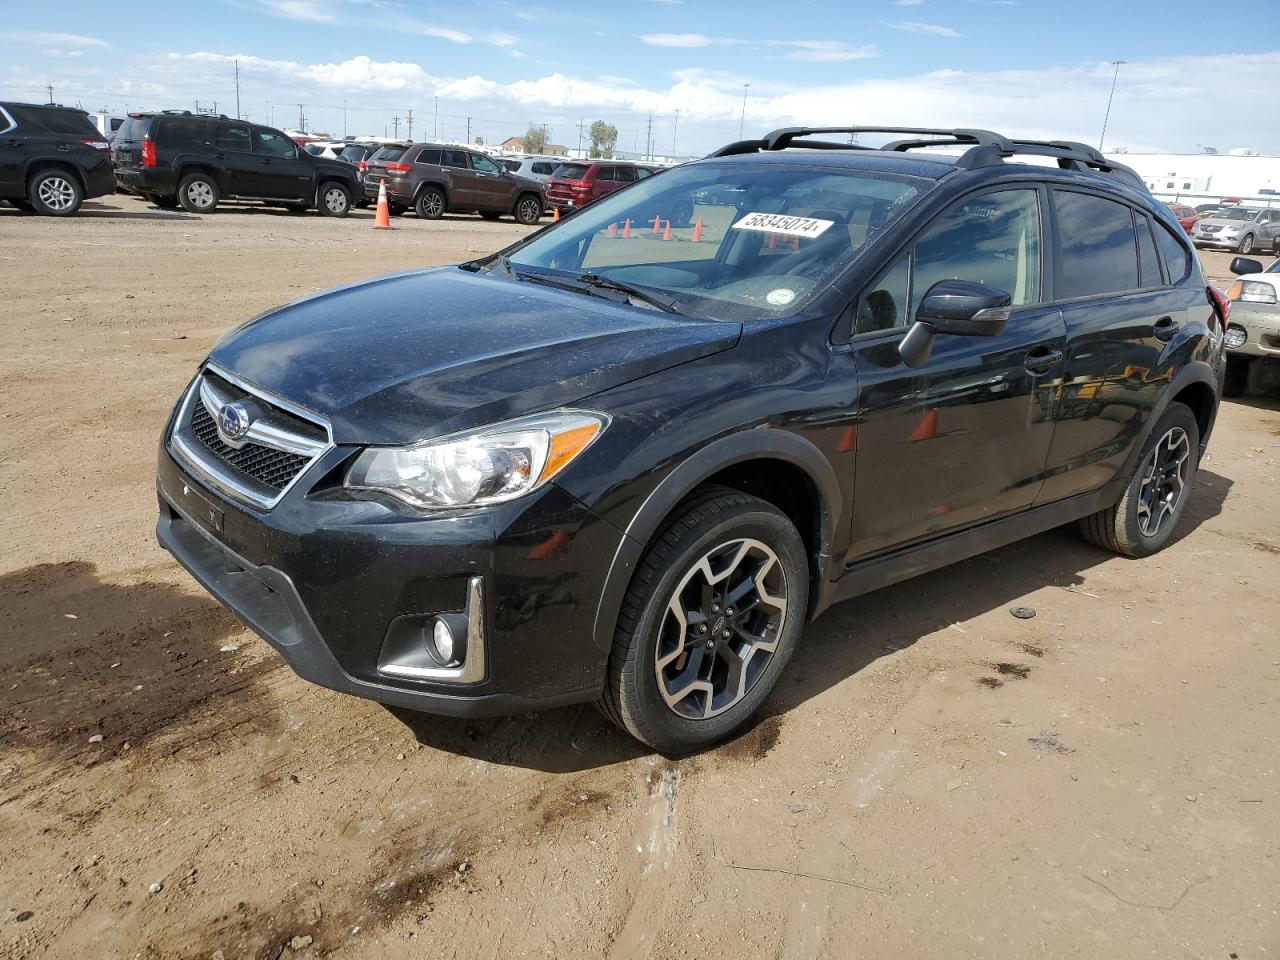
778 223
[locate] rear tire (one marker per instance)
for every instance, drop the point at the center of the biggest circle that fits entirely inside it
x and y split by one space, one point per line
198 193
54 193
1237 379
430 204
1156 495
335 200
528 209
687 670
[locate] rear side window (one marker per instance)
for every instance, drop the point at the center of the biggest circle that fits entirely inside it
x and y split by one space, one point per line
544 169
454 158
1148 262
427 156
624 174
1099 248
182 130
67 122
1177 261
607 173
571 171
233 136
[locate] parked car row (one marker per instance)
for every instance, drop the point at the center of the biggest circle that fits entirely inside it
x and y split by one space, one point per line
52 159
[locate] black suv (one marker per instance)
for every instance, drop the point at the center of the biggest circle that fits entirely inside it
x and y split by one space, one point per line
433 178
52 158
626 461
195 160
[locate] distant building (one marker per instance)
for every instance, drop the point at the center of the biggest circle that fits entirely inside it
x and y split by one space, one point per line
1195 177
516 145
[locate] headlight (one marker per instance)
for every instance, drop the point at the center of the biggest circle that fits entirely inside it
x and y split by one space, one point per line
1252 291
493 465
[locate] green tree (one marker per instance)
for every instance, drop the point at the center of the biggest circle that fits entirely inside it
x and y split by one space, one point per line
604 137
535 139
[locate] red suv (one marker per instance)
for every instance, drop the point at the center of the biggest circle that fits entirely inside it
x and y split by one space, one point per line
1186 215
578 184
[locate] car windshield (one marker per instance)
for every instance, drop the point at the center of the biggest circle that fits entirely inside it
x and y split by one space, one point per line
730 240
1234 213
1274 268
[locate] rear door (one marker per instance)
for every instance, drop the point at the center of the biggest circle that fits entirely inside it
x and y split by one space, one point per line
964 438
241 172
1122 312
287 172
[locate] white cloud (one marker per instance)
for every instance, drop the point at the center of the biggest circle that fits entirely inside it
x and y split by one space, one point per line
64 54
680 40
309 11
359 74
915 26
72 40
825 51
447 33
908 3
504 40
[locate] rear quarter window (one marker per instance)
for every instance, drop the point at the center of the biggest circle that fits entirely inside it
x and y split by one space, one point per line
429 156
67 122
1174 253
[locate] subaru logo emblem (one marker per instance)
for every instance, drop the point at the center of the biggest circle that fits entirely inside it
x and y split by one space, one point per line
234 421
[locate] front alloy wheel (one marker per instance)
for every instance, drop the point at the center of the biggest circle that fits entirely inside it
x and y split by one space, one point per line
712 615
335 201
529 210
1246 244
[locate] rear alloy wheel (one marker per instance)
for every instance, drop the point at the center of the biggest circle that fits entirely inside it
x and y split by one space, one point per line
198 193
711 617
1246 244
335 201
55 193
430 204
1156 496
528 210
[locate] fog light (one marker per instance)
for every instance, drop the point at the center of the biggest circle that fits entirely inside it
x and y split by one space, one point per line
443 638
1235 336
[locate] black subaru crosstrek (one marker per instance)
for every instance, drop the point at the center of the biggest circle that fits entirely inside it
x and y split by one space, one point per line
197 160
626 460
52 158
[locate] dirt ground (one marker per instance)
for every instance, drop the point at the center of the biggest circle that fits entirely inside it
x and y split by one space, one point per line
932 778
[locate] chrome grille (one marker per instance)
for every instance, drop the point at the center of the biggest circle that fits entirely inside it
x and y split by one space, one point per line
260 463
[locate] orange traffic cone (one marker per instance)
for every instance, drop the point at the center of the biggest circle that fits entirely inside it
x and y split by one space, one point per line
613 230
666 232
555 215
927 429
626 229
656 222
382 219
697 231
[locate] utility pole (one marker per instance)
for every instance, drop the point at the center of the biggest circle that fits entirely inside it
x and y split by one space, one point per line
1115 76
468 129
743 119
581 124
344 118
49 87
648 140
544 137
435 118
409 135
237 89
675 126
302 120
396 121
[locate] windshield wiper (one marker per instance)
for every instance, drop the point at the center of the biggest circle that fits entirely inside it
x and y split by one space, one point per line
498 261
665 304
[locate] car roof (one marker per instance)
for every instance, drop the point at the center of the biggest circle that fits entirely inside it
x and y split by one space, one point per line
40 106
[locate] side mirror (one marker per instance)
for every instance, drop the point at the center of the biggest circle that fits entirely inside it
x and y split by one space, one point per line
1243 265
957 307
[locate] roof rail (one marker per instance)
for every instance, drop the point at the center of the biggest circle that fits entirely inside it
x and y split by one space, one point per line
986 148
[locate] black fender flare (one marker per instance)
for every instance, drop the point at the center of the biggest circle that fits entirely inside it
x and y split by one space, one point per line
1197 371
757 444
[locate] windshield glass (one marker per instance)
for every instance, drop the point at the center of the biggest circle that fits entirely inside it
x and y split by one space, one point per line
727 240
1234 213
570 171
1274 268
388 154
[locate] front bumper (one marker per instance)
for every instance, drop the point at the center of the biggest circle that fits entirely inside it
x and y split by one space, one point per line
331 583
1261 323
1216 240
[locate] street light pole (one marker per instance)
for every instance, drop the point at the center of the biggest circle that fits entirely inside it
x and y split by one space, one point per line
743 120
435 119
1114 77
675 126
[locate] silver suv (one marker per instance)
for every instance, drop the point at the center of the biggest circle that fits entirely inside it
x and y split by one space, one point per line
1242 229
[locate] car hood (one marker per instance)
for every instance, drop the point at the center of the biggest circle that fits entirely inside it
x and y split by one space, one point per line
423 354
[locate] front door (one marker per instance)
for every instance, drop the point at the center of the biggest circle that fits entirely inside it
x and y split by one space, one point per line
241 174
288 173
464 187
963 438
495 189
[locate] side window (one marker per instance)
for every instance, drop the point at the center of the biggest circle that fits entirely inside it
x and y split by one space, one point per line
454 158
642 172
429 156
233 136
884 306
483 164
993 239
1177 261
624 174
181 130
605 173
544 169
1099 249
1148 263
273 143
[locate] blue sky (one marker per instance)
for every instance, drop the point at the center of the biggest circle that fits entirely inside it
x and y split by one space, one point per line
1030 67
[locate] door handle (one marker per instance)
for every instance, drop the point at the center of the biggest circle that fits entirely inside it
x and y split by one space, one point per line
1165 328
1041 359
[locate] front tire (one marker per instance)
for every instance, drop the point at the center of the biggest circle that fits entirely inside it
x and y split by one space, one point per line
430 204
335 200
55 193
1246 244
1156 496
711 617
198 193
528 210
